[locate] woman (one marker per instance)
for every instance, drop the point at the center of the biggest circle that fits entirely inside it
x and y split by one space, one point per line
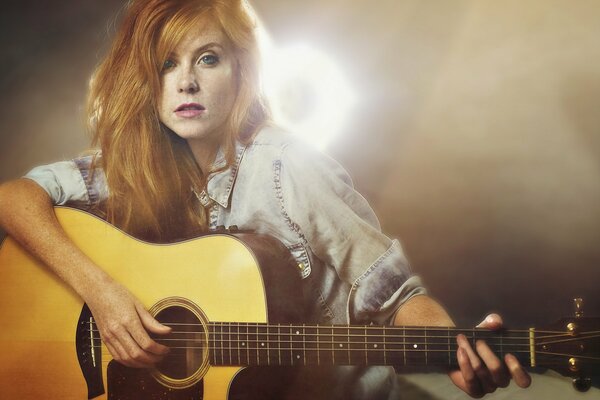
186 146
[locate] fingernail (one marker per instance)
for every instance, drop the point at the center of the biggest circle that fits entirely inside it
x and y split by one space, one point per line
509 358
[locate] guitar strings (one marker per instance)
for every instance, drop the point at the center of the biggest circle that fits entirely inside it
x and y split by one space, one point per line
202 334
493 342
356 350
226 338
324 347
573 339
352 327
319 342
490 338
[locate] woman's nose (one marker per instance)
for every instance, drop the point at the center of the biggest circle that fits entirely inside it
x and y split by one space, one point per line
188 84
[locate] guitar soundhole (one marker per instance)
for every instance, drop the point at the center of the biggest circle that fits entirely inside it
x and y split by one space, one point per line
186 343
187 361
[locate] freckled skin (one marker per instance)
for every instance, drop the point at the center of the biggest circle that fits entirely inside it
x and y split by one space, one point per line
200 70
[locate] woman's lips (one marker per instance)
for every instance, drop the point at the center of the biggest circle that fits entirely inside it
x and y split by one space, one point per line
189 110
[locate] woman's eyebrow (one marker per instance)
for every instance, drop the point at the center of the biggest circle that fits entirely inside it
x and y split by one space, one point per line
199 50
206 47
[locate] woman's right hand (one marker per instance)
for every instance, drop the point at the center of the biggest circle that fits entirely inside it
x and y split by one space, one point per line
124 324
27 214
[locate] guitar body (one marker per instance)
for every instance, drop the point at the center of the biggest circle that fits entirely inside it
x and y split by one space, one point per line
40 314
212 292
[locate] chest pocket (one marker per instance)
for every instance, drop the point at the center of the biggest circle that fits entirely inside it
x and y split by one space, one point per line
318 310
299 253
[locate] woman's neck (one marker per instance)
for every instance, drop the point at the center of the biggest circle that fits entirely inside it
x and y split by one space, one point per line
204 152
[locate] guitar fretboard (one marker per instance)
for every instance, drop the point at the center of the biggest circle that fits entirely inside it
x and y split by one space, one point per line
253 344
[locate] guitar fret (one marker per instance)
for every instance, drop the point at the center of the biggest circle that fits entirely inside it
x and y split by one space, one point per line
318 349
262 345
213 344
348 346
244 335
229 342
356 345
340 345
437 345
283 351
304 343
312 345
237 344
251 347
404 344
221 336
449 353
273 345
366 356
291 346
375 348
384 348
279 342
325 345
296 350
426 350
501 348
332 347
415 356
393 349
256 345
216 344
268 346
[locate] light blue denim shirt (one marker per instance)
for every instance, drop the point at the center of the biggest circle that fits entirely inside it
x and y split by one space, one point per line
278 185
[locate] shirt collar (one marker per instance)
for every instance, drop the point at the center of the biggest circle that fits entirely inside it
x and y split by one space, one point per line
221 183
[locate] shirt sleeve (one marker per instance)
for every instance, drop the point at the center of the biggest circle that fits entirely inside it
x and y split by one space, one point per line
340 227
71 182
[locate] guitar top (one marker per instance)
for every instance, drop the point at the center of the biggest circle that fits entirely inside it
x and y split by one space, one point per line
233 301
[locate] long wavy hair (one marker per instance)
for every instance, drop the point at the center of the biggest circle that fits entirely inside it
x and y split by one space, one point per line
151 172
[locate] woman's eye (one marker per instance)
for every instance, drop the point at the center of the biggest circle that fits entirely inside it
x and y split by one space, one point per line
209 59
168 64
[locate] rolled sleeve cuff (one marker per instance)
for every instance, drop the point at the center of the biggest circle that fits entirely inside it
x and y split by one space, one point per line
378 293
62 181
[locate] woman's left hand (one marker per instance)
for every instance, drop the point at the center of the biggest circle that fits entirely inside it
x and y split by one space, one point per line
481 371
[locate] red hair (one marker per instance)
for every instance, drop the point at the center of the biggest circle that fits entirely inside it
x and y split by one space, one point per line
150 171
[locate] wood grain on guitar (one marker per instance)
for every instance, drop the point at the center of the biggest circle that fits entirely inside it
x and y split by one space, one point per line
233 302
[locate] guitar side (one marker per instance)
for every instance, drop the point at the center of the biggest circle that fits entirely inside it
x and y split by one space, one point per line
40 313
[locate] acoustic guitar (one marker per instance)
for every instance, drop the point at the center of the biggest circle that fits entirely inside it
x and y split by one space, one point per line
234 303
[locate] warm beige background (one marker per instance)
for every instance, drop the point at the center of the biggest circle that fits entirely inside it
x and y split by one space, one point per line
476 139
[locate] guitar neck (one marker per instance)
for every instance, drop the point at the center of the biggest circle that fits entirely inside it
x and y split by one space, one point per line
255 344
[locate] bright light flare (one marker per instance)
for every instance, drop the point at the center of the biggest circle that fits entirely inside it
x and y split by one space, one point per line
308 93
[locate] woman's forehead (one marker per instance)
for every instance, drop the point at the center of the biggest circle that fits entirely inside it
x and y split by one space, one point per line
201 35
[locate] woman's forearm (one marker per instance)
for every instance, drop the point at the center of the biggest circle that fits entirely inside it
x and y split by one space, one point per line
27 215
422 310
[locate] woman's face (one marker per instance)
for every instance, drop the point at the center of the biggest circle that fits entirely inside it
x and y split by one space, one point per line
198 86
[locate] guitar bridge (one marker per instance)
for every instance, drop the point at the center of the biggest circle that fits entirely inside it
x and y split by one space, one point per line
89 352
